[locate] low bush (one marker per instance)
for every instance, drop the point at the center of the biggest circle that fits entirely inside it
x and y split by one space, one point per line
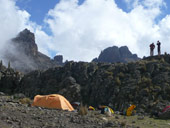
83 110
25 101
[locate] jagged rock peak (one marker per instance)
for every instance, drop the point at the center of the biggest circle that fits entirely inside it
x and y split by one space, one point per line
115 54
26 42
124 51
26 36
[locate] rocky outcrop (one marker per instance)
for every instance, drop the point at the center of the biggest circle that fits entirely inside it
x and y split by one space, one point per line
58 59
9 79
115 54
144 83
70 89
25 57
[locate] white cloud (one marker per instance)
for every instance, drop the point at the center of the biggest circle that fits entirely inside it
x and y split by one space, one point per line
43 41
81 32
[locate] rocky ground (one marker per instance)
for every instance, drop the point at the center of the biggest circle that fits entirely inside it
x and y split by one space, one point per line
14 113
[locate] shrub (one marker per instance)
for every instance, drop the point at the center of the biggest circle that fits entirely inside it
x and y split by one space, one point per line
83 110
25 101
9 64
118 81
1 63
121 75
146 80
162 60
143 68
109 73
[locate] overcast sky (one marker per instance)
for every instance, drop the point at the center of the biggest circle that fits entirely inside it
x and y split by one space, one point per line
79 30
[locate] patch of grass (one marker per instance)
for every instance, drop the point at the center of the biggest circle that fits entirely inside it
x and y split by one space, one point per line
145 123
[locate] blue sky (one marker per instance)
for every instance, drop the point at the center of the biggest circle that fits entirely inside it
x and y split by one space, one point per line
38 8
79 31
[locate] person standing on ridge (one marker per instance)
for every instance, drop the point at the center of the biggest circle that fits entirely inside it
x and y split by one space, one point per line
152 46
159 48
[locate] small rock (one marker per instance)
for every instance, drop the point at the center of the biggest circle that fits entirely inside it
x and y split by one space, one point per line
104 119
116 117
110 124
133 121
108 114
140 118
2 94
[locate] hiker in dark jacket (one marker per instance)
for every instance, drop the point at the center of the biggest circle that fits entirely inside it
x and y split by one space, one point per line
159 48
152 46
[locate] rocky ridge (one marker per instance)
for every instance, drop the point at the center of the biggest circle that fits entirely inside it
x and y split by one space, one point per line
115 54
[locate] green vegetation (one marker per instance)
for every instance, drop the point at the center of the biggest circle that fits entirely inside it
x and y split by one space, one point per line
146 80
141 122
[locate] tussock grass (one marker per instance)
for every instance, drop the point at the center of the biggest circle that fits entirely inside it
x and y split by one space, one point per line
83 110
25 101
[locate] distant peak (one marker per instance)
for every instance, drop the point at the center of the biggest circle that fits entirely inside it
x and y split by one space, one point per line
26 32
25 36
115 54
124 47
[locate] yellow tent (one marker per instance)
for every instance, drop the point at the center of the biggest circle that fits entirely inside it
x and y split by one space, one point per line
52 101
103 106
130 109
91 108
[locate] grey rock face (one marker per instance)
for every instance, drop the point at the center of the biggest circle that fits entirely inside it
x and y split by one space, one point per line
70 89
25 42
58 58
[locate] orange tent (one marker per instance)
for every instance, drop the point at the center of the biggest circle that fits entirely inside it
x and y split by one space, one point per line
130 109
52 101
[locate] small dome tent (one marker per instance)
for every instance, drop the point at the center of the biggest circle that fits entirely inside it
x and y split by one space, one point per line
52 101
